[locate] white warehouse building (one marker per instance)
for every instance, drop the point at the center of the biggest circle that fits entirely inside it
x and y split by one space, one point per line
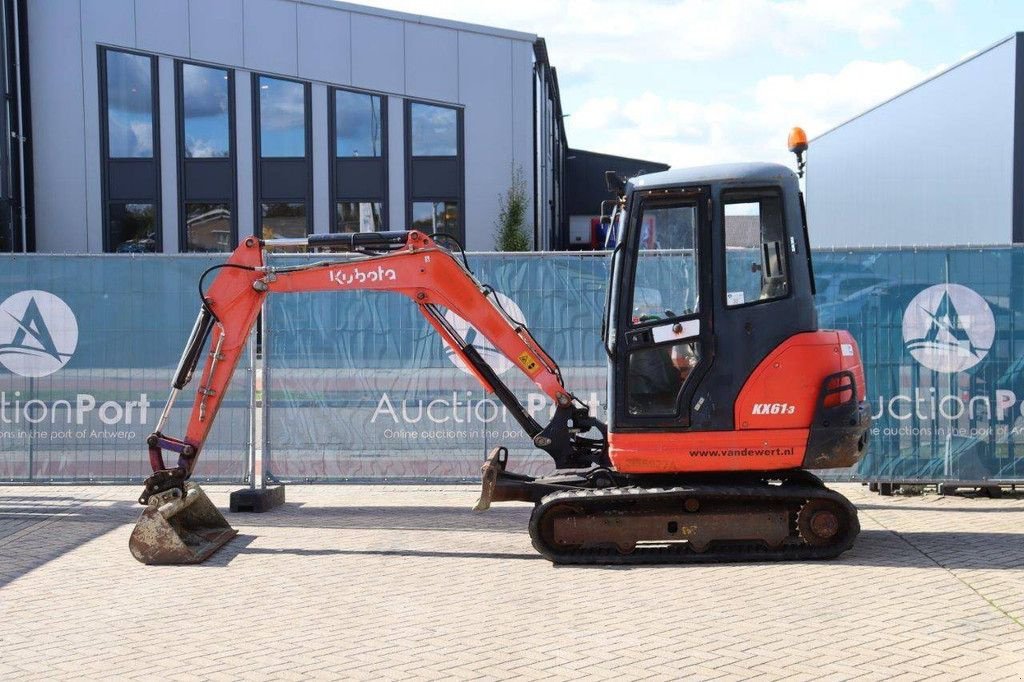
940 164
181 125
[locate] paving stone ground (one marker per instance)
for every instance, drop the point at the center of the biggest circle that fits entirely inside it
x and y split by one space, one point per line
361 582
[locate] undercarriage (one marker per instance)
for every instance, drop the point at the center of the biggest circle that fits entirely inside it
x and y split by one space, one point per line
599 516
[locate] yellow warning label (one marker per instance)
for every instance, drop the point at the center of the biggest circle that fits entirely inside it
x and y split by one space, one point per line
528 362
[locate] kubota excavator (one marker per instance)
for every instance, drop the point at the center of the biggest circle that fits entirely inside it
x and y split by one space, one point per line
722 391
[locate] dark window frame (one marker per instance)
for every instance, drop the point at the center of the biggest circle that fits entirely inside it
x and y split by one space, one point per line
654 202
106 160
460 156
723 199
179 123
341 197
257 156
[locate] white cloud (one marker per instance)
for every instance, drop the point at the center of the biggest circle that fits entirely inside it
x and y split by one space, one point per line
753 126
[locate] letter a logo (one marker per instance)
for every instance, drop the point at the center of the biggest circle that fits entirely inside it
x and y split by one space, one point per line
38 333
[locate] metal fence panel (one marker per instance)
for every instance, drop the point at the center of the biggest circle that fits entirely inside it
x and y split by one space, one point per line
360 387
102 335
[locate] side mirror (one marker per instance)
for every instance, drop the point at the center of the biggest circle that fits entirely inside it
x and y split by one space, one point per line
615 183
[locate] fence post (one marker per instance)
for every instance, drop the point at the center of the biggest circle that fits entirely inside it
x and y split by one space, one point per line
261 498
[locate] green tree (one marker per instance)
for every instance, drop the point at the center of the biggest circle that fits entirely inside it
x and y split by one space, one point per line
511 220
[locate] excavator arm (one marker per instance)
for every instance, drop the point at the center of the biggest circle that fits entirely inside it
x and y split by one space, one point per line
408 263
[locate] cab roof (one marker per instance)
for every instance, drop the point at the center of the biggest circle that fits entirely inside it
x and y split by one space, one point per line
726 173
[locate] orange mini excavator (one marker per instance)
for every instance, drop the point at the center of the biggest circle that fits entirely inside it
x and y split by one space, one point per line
722 391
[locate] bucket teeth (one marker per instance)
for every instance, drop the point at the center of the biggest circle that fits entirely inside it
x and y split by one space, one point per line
186 530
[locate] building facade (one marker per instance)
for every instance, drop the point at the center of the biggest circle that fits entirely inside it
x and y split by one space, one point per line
940 164
587 190
180 125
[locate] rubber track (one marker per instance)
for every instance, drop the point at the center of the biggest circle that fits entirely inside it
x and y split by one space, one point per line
611 499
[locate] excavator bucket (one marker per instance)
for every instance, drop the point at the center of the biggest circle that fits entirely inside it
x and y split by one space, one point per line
185 530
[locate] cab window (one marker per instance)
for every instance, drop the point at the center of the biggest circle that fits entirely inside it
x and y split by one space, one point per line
665 285
755 244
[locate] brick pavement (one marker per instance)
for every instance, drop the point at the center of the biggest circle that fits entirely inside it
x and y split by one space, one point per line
389 583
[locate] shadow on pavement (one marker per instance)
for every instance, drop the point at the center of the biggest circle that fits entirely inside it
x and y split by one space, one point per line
32 534
937 508
951 550
390 552
495 520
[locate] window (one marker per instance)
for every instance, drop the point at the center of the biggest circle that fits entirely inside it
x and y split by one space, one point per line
208 227
357 216
206 158
282 118
132 228
755 248
665 287
666 268
434 130
436 216
283 173
206 104
435 169
358 125
359 170
283 219
657 375
130 164
130 105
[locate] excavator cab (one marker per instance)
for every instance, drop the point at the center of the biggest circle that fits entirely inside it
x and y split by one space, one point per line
713 276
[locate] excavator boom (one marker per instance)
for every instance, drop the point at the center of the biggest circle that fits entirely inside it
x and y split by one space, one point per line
408 263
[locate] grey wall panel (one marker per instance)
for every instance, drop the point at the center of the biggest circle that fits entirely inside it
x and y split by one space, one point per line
110 21
933 166
378 53
162 26
325 51
485 83
215 33
522 120
58 126
396 164
321 169
270 36
168 157
243 146
432 62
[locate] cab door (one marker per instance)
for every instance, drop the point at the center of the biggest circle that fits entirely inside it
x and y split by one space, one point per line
663 331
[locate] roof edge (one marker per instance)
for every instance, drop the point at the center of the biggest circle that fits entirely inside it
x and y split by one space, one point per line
573 150
1012 36
419 19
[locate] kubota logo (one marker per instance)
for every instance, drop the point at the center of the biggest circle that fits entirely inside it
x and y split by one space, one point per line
38 333
948 328
357 276
491 355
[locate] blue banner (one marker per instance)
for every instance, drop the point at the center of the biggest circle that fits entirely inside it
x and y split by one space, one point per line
358 386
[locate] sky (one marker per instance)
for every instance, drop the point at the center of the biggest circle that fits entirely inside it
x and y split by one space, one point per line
689 82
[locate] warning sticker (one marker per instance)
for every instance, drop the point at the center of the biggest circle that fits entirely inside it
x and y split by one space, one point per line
528 362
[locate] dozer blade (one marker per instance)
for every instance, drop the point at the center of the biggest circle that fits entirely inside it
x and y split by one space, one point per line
492 468
185 530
